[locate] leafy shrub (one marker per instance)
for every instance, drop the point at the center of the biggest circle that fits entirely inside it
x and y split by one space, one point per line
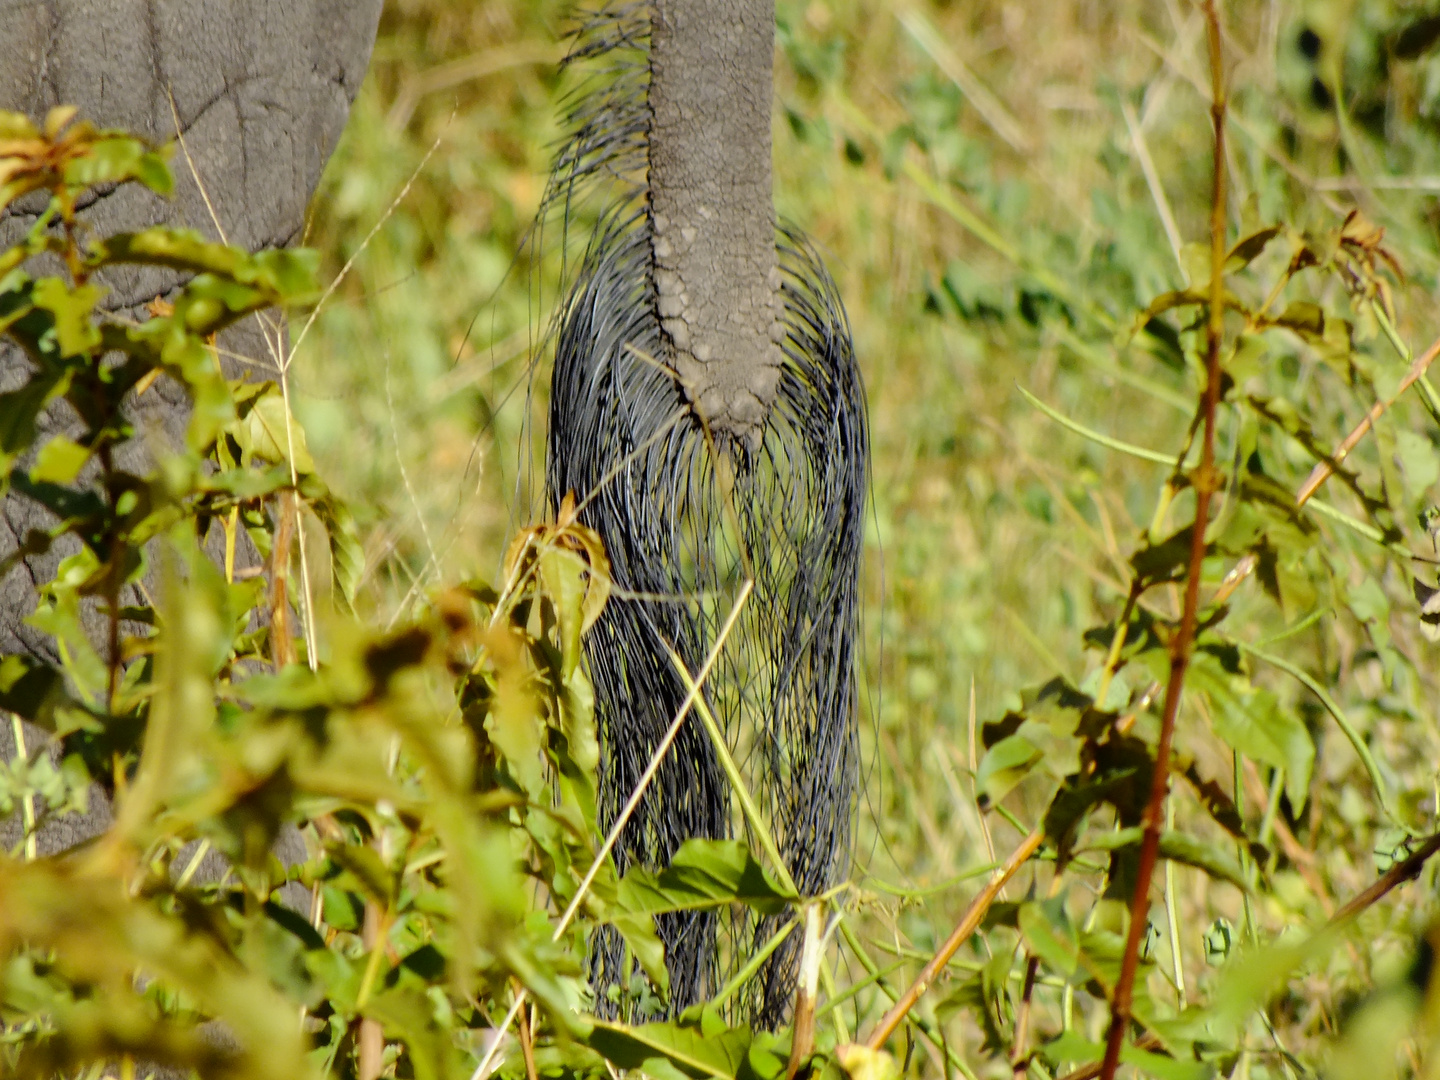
444 771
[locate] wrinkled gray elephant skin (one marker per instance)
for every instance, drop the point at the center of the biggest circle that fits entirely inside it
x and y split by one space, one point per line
261 90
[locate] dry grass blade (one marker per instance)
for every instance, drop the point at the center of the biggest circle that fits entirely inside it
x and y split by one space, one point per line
1000 119
691 697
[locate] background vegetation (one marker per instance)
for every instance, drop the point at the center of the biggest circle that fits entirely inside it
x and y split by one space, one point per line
999 188
1003 191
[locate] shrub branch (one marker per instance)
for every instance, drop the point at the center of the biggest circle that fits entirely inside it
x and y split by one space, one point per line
1206 481
968 924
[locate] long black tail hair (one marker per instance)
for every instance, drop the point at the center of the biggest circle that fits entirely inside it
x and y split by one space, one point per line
686 519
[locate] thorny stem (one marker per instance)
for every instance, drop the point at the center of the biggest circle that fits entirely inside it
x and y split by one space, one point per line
1205 483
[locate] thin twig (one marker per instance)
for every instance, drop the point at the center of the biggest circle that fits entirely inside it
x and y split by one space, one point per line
644 783
467 69
1206 481
1326 469
372 1034
282 648
27 804
968 924
975 788
190 161
991 109
350 262
1401 872
1172 916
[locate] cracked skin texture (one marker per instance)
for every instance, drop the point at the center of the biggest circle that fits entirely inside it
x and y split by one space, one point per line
716 272
262 89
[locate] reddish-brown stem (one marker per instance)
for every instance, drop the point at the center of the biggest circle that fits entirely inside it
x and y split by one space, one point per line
969 923
1146 1041
1019 1058
1205 482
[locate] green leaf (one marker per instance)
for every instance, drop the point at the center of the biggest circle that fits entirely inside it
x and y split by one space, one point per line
1050 935
1177 847
97 933
1165 561
1005 765
563 573
515 721
1367 601
409 1015
1248 249
1418 460
263 434
1304 318
1246 360
59 461
283 276
347 550
30 688
696 1046
1076 797
72 309
1071 1046
73 506
115 158
641 938
1253 722
703 874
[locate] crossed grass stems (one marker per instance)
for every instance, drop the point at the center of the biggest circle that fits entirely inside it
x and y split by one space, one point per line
281 359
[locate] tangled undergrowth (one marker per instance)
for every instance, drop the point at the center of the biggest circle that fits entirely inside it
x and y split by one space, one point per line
1267 379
